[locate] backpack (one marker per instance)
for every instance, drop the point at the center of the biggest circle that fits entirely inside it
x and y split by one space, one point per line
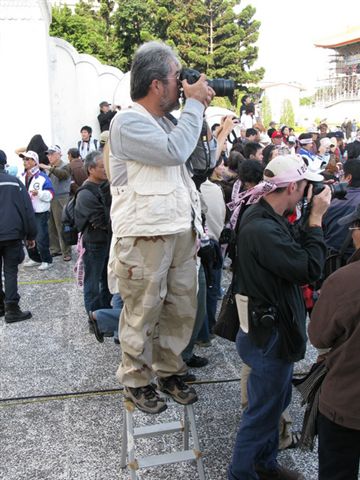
69 230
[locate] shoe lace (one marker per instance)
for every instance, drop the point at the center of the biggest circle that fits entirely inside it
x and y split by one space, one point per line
149 392
181 385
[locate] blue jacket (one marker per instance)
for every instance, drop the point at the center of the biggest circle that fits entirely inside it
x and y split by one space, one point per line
334 233
17 219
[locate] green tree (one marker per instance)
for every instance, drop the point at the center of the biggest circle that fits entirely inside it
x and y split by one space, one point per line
134 22
212 38
105 12
307 101
287 113
231 42
86 30
207 34
266 115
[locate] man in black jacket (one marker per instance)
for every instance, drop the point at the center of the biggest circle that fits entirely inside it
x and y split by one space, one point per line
17 223
271 265
92 218
105 116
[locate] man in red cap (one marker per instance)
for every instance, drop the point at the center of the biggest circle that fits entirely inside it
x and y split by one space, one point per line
277 138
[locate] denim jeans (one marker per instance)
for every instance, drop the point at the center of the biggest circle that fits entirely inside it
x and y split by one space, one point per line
212 295
200 315
108 318
11 255
269 393
96 291
41 253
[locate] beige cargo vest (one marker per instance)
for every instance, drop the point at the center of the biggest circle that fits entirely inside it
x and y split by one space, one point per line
156 200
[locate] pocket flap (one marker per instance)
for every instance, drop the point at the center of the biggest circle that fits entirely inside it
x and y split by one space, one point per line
154 188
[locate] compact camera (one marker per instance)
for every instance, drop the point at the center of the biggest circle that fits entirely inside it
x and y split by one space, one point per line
264 317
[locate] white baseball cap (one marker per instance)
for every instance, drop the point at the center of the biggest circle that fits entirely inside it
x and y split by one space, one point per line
290 168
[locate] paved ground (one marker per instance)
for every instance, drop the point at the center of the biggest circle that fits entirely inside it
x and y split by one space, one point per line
79 436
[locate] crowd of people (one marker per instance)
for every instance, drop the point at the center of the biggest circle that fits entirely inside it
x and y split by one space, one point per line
154 202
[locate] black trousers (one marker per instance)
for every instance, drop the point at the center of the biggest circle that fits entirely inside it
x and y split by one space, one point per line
339 451
11 255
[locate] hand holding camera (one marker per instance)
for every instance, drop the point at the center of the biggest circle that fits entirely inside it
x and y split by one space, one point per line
199 90
320 203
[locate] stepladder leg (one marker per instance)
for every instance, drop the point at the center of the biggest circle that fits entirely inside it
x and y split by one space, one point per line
124 443
198 454
132 463
186 430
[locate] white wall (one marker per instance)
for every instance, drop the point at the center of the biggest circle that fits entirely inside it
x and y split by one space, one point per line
24 78
46 86
79 83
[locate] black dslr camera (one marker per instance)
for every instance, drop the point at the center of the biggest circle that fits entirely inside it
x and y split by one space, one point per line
338 190
221 86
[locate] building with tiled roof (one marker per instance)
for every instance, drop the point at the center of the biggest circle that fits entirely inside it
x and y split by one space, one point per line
342 87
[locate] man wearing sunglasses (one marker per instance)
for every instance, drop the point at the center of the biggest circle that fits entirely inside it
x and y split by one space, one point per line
155 215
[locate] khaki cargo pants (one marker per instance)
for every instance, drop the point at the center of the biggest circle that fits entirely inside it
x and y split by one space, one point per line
157 281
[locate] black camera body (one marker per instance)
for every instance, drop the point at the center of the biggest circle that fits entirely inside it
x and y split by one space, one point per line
221 86
338 190
263 316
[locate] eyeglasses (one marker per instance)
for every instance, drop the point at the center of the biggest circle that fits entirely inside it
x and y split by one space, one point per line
176 76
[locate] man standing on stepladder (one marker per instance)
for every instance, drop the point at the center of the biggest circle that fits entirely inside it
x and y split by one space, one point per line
155 208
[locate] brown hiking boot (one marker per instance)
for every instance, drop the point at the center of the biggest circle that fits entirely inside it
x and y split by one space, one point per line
145 399
178 389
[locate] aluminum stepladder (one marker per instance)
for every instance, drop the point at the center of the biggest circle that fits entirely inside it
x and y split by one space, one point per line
131 433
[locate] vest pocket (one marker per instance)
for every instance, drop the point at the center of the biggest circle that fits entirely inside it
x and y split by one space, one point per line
155 203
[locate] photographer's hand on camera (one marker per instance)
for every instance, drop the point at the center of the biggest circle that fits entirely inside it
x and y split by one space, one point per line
230 122
320 203
199 90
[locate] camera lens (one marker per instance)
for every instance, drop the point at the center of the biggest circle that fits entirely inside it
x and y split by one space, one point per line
338 190
222 87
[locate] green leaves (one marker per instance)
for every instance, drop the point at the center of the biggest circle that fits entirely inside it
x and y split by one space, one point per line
207 34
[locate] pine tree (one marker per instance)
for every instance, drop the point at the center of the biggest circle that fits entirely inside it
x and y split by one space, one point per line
231 39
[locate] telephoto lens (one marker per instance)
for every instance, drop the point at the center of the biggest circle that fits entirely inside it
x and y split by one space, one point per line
221 86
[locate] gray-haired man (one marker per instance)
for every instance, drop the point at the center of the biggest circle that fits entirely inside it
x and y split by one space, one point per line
153 208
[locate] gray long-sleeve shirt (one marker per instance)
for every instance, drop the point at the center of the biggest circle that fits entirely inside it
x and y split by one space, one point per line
134 137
